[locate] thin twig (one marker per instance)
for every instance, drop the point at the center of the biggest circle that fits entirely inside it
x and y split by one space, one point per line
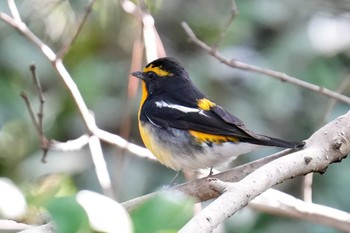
37 122
68 81
71 145
59 67
65 48
122 143
74 91
307 180
45 143
345 84
24 30
234 13
275 74
31 112
37 84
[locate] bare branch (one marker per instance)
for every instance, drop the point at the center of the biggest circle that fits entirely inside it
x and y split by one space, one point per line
14 10
65 48
37 84
307 180
281 204
88 119
24 30
71 145
329 144
58 65
44 142
234 13
200 190
306 187
315 157
124 144
275 74
107 137
30 110
101 166
345 84
153 44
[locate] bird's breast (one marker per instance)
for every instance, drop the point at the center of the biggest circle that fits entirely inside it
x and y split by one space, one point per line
180 150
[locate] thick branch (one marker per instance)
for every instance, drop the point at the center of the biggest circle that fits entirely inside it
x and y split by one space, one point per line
200 190
329 144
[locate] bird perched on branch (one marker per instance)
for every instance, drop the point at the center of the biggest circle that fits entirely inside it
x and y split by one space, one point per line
183 128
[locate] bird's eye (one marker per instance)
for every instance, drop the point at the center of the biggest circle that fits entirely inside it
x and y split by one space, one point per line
152 75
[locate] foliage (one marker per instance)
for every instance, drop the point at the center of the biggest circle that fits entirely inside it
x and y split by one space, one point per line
163 214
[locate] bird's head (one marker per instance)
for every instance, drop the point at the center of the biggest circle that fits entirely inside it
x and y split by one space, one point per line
162 70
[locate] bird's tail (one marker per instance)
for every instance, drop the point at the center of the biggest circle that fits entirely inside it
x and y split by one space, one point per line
269 141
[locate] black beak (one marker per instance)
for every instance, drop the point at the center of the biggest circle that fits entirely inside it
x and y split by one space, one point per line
138 74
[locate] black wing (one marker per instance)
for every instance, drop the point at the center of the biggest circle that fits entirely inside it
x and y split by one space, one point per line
253 137
215 121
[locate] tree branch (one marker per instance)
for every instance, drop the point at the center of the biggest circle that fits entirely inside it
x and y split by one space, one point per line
101 166
44 142
275 74
278 203
40 114
234 13
200 190
329 144
88 119
73 89
14 10
31 112
65 48
153 44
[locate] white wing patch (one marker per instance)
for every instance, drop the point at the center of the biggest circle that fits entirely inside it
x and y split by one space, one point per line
162 104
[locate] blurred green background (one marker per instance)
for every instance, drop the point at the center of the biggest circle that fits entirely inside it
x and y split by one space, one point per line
306 39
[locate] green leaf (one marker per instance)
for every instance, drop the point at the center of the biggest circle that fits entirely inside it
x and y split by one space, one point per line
68 215
165 213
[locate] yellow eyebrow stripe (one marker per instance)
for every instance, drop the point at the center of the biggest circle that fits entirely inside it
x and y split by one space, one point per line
205 104
206 137
158 70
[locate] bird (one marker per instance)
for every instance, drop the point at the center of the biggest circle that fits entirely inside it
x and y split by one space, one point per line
184 129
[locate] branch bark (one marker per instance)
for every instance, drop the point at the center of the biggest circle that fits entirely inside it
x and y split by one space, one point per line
200 190
328 145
